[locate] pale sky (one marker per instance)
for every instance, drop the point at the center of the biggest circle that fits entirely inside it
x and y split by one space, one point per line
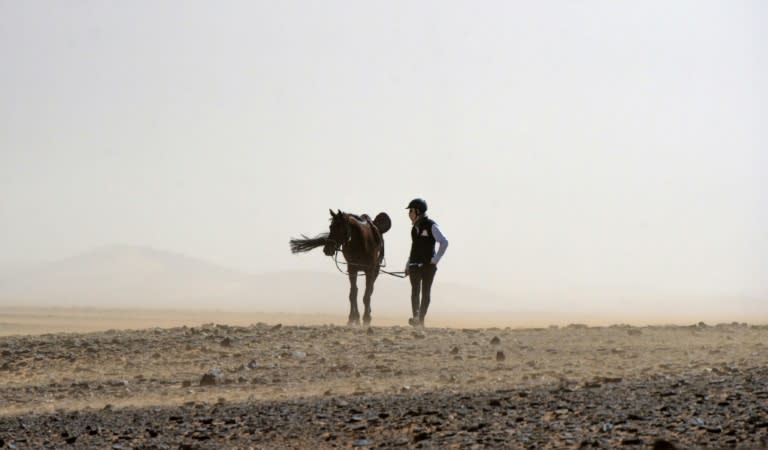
613 145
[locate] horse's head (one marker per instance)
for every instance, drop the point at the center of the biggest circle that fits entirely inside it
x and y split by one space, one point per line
338 234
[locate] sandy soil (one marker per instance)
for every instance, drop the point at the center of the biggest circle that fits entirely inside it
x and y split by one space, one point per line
272 385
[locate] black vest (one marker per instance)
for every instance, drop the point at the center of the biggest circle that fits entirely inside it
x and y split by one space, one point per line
422 242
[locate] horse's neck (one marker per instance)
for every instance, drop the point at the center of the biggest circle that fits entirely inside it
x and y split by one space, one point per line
357 235
363 234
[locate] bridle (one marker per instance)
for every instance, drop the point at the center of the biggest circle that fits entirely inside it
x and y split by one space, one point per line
336 244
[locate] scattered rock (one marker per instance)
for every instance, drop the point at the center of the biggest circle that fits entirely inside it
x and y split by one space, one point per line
212 377
566 389
662 444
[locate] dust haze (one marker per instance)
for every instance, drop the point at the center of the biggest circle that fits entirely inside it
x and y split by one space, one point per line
591 163
102 289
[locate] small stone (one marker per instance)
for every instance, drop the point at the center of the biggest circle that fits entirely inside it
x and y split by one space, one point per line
212 377
495 340
662 444
500 356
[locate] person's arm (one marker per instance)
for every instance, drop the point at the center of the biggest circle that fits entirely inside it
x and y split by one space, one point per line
440 239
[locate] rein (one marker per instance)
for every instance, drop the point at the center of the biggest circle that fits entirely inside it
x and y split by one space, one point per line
336 260
338 246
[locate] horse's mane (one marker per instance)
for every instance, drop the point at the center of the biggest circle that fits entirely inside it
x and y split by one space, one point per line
306 244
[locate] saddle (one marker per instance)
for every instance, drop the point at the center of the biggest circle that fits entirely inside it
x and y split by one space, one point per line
382 221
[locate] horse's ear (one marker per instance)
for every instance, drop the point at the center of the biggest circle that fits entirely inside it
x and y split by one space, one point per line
333 214
339 213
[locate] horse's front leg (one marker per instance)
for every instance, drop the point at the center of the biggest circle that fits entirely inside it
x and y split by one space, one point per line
354 314
370 278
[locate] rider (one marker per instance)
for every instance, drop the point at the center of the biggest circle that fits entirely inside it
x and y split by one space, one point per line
422 263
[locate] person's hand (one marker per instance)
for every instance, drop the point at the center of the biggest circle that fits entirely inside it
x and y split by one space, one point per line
407 271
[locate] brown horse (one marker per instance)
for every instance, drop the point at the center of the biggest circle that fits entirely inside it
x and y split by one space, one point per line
361 242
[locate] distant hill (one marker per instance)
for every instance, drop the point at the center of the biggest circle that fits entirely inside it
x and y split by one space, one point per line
130 276
122 276
140 277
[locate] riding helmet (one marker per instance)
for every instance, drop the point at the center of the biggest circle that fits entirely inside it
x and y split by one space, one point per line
418 204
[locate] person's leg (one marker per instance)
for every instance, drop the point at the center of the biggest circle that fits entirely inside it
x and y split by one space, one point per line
415 276
427 276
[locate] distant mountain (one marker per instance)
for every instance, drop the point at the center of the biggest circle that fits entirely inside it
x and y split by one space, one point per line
122 276
130 276
140 277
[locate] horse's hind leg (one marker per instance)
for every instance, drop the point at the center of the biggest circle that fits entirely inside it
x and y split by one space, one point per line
354 314
370 278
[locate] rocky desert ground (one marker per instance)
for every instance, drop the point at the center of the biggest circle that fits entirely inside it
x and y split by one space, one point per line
274 385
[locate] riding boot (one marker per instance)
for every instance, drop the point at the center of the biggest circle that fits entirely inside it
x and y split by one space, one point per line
423 313
415 310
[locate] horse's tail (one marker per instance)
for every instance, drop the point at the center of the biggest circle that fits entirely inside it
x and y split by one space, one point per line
306 244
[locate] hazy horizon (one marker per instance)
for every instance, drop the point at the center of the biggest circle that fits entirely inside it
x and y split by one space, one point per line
141 278
598 146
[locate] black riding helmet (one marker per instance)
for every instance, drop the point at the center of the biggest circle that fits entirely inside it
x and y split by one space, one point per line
418 204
